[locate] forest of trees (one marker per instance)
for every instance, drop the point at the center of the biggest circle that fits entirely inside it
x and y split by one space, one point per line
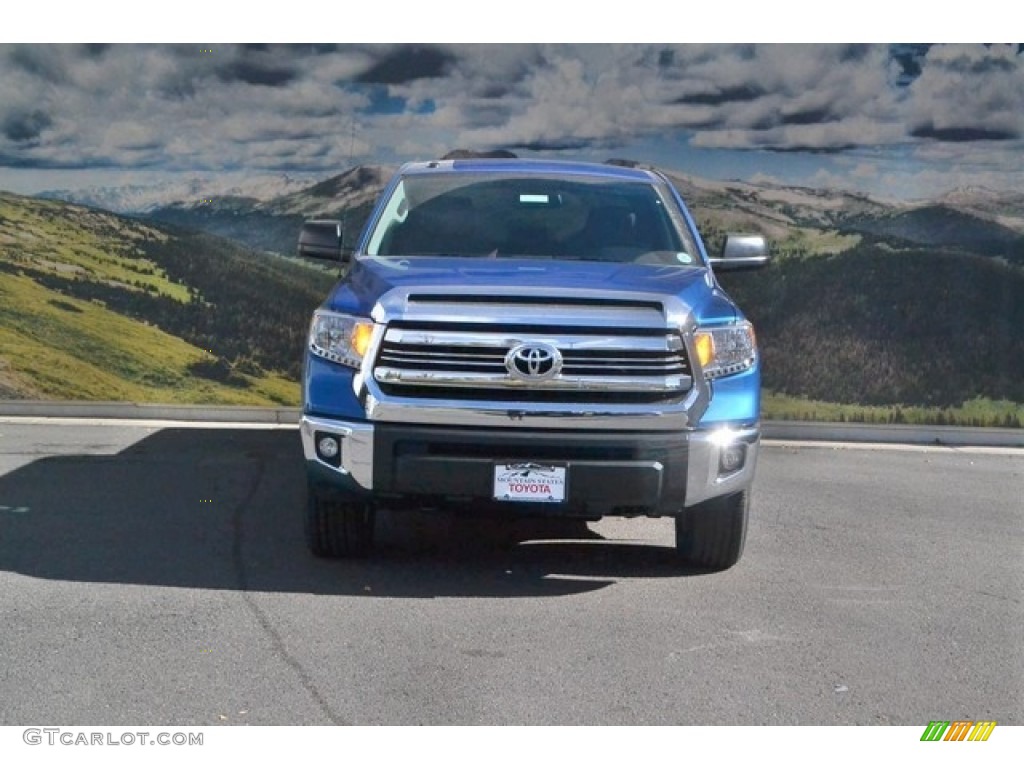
877 326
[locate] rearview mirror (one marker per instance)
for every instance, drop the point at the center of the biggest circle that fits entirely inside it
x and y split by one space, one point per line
321 240
742 252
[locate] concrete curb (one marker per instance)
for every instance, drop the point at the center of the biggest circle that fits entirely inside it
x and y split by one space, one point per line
145 411
772 430
905 434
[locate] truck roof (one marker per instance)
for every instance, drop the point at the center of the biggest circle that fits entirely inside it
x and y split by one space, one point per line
528 166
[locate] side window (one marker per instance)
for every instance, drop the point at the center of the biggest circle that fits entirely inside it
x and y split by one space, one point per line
395 212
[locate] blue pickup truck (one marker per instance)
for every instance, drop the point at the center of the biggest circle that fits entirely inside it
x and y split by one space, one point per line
531 337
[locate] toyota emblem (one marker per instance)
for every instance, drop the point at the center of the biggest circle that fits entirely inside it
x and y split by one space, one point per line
535 361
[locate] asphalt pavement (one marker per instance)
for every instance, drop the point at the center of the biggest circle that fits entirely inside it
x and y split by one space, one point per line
156 573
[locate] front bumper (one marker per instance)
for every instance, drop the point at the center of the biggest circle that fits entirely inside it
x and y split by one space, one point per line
648 473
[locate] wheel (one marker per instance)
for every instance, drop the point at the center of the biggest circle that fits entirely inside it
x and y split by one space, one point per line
338 527
711 534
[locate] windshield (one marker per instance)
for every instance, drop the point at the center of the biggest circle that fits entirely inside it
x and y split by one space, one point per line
532 216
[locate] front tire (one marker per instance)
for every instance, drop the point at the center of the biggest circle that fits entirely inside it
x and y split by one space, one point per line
338 527
711 535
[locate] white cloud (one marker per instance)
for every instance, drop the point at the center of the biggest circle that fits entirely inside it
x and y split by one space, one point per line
302 108
967 91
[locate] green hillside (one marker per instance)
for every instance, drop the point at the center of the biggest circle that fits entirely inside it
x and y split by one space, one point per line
853 324
898 329
878 314
94 306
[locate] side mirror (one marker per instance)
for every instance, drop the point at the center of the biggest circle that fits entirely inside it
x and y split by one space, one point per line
742 252
321 240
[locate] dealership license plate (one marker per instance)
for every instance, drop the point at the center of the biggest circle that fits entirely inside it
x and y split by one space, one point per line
529 481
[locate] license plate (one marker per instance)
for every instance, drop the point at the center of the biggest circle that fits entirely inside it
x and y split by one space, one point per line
529 481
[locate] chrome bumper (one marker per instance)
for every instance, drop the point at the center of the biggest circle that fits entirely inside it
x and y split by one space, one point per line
356 447
704 480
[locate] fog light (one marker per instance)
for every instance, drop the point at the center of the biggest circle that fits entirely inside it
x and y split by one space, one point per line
328 448
731 458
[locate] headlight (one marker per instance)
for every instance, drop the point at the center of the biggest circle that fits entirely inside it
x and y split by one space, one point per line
340 338
726 350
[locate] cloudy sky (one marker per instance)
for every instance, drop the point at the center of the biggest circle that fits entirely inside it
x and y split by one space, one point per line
905 121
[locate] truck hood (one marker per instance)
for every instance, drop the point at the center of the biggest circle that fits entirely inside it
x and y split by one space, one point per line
371 277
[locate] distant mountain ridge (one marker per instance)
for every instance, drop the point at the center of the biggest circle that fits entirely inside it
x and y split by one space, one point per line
356 188
143 198
944 226
268 215
1005 207
273 224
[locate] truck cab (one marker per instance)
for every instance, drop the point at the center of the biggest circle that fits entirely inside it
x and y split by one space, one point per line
521 337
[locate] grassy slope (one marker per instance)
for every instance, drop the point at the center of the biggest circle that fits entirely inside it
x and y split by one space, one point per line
978 412
73 241
71 329
56 345
70 349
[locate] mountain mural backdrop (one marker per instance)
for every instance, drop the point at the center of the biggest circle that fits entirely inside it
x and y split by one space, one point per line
153 193
871 310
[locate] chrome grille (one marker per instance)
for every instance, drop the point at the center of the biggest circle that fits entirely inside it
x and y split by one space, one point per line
465 360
